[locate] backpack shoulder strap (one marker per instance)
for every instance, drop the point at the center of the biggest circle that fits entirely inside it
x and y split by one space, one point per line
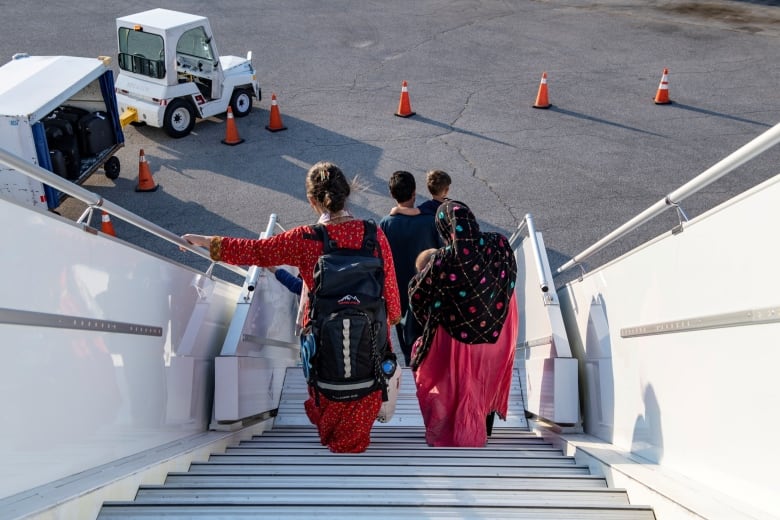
370 242
321 234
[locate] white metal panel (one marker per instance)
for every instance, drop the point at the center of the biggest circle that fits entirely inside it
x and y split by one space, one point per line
534 325
260 344
160 19
550 385
76 394
246 386
16 137
32 87
565 391
549 373
675 396
598 384
274 309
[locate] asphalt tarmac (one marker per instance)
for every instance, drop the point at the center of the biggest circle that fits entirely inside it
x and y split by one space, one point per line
601 154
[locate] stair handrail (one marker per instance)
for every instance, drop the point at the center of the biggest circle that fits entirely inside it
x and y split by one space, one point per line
94 200
723 167
528 221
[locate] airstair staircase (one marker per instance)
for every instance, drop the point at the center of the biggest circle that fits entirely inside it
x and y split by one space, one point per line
286 473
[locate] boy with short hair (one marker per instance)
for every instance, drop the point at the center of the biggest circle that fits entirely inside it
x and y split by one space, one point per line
438 183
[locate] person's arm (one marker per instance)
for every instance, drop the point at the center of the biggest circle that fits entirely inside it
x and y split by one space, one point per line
411 212
392 298
264 252
286 278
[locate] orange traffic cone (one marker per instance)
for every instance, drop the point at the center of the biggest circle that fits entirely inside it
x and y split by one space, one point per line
275 122
231 132
106 226
541 96
404 106
662 96
145 180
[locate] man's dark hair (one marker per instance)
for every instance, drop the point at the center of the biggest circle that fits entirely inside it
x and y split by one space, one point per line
402 186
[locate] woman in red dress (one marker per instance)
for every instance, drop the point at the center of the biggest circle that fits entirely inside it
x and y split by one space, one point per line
463 363
345 426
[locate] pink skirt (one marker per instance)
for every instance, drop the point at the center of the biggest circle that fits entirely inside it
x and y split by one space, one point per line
459 384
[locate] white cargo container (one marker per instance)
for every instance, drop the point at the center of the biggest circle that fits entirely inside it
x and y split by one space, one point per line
32 89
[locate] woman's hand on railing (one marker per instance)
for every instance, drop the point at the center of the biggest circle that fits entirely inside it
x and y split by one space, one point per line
197 240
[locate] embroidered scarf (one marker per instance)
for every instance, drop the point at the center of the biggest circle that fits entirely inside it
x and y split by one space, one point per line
467 284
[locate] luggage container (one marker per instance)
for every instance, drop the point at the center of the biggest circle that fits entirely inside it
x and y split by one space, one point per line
60 113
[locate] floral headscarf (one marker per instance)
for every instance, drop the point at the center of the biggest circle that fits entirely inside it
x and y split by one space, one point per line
467 285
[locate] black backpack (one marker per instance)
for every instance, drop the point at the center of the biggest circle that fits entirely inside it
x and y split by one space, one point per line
348 319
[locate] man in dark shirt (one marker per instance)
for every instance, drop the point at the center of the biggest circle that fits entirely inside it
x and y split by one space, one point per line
408 236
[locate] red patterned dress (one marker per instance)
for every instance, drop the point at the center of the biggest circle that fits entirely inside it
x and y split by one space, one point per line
344 427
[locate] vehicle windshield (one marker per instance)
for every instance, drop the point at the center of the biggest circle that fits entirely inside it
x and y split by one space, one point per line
195 43
141 53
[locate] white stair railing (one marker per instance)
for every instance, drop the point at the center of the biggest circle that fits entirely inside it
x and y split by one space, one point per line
749 151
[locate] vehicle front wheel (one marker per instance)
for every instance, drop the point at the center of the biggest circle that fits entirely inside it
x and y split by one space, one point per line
179 119
241 102
111 167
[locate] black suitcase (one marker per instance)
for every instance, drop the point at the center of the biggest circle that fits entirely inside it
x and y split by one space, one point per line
58 163
60 136
96 133
70 114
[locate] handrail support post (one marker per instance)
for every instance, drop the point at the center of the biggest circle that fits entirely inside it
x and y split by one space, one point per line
682 217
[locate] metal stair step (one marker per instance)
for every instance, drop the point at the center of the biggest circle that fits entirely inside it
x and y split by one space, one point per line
334 494
290 412
409 469
177 511
286 472
517 434
452 482
369 459
386 449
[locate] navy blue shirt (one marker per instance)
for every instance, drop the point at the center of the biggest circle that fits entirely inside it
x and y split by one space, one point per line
429 207
408 236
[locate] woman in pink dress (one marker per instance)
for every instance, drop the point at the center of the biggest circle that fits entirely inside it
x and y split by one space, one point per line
463 362
344 426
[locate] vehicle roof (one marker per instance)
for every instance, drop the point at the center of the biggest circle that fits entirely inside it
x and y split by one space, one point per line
160 19
33 86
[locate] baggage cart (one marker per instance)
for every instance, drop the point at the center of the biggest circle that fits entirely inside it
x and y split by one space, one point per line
60 113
